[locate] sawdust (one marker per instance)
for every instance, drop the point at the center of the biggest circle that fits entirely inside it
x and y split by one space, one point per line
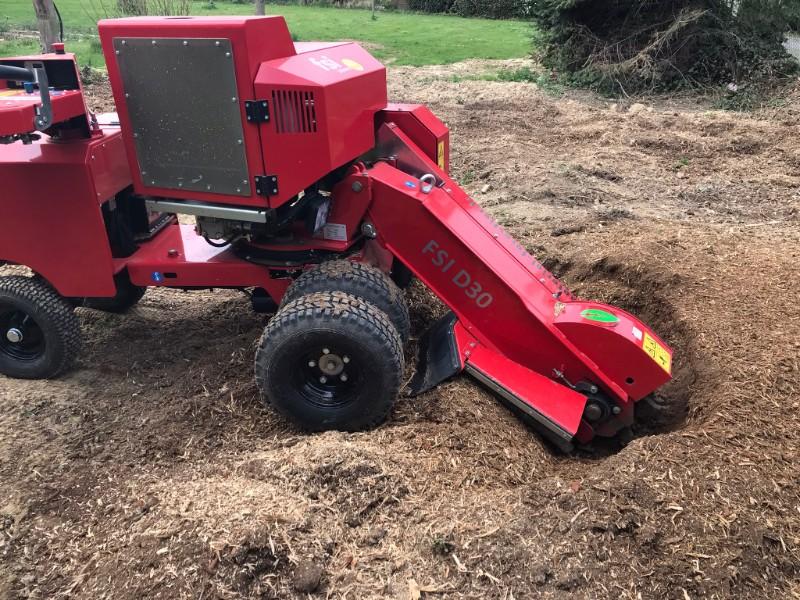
153 471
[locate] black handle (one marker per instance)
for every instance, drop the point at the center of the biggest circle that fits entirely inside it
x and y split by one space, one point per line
16 74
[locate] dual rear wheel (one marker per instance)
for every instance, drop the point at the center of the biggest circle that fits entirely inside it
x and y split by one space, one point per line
332 357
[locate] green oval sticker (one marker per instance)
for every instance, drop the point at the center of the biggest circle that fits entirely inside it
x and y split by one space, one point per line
600 316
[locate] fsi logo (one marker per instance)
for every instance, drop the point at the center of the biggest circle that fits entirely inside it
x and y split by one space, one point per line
331 65
460 277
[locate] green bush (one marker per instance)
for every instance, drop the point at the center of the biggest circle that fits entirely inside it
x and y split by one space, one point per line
431 6
493 9
499 9
626 46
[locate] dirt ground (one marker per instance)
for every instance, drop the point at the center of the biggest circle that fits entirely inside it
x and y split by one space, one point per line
153 471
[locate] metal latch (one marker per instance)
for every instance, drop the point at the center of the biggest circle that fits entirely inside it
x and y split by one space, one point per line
266 185
257 111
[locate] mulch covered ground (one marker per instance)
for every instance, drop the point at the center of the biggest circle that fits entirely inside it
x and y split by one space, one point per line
153 470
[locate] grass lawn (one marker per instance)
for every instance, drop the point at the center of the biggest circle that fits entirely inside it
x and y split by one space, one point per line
397 38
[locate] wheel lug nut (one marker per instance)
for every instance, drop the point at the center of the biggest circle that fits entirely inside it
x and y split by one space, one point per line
312 364
326 351
346 359
323 380
14 336
343 377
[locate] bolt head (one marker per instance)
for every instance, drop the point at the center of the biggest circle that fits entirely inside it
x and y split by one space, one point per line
323 379
326 351
346 360
357 186
343 377
312 364
369 231
593 412
14 336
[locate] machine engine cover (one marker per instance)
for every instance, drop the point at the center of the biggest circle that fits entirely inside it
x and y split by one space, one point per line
185 90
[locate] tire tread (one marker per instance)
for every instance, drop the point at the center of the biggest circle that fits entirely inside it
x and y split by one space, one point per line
359 280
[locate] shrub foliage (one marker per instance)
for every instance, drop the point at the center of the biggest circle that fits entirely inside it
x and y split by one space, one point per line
659 45
494 9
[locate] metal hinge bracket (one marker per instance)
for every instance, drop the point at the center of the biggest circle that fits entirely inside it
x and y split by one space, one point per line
266 185
257 111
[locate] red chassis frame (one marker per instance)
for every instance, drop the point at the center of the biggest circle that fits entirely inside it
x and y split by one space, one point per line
513 326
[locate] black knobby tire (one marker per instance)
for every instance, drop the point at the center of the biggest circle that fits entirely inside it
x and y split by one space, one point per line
40 335
127 296
359 280
307 334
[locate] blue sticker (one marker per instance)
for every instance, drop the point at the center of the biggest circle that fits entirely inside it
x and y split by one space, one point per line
157 277
411 185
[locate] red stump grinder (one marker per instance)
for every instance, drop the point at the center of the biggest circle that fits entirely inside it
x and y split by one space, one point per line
314 195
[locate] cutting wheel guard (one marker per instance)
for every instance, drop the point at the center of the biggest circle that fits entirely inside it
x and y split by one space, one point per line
574 367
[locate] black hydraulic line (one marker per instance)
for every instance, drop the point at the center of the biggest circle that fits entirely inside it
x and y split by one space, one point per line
8 72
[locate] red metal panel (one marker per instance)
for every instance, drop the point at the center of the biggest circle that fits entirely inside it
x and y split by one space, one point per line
178 257
253 39
51 215
423 128
109 165
17 109
618 347
556 403
333 122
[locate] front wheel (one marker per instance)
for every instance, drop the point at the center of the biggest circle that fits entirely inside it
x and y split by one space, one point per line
39 332
330 361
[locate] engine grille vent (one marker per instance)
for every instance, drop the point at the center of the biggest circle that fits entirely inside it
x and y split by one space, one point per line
295 112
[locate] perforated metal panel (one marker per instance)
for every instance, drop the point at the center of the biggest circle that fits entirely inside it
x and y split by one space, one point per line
185 114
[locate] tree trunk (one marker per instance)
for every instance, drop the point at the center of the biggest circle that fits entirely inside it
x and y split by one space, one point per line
259 7
48 23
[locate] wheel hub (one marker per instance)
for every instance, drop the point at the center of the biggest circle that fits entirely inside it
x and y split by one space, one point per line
14 335
331 364
21 338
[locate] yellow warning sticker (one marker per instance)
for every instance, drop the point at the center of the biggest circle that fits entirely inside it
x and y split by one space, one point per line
658 353
440 155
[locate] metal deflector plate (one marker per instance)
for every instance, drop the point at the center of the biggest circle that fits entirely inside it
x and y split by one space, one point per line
185 113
